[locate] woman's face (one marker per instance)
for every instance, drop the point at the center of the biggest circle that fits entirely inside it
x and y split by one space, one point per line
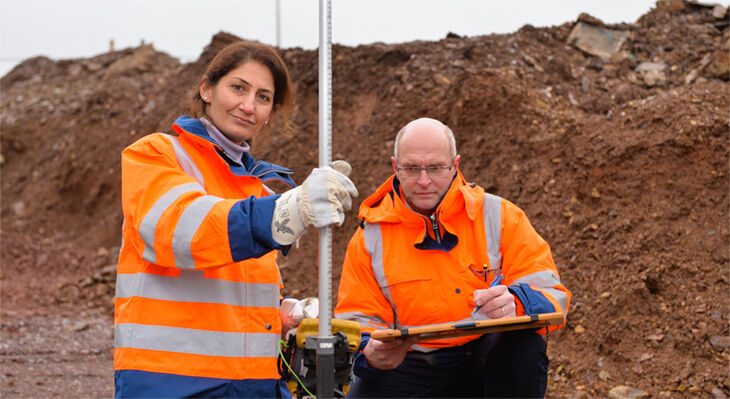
241 102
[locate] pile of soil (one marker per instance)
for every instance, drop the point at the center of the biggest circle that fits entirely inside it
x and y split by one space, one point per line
626 177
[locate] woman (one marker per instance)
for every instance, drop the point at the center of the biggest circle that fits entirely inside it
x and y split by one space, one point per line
197 309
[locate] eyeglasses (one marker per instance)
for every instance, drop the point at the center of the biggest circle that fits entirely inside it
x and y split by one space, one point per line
433 171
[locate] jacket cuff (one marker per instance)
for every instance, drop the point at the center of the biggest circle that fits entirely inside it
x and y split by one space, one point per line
533 301
360 366
249 228
262 228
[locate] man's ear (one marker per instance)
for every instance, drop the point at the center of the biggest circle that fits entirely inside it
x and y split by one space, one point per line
457 158
395 164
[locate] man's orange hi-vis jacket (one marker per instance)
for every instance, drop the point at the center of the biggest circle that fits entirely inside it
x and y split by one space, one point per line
403 269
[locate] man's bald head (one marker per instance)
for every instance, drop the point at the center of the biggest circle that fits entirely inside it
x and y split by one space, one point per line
421 125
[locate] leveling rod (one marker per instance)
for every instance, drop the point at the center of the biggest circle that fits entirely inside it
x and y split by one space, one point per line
325 342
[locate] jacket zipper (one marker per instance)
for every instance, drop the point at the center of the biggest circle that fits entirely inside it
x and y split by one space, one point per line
435 226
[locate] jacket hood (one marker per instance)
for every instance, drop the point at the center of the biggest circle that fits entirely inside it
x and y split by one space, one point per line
193 129
386 204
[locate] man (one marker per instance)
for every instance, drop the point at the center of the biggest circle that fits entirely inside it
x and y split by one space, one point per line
430 246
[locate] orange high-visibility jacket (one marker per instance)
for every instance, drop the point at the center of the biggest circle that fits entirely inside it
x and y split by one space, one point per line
403 269
197 289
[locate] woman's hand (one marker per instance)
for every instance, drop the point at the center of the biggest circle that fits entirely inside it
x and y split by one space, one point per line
320 201
292 312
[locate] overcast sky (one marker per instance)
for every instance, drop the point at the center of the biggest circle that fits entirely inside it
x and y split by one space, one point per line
62 29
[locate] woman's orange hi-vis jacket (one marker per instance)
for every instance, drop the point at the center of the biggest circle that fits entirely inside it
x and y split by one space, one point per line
403 269
197 289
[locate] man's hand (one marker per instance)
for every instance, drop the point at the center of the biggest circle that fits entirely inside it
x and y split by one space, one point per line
387 355
320 201
495 302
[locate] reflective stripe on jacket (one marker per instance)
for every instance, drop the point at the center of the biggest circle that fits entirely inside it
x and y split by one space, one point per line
197 290
398 273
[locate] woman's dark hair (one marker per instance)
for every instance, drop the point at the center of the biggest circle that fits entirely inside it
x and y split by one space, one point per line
239 53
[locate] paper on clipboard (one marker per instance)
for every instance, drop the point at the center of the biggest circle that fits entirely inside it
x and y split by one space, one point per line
476 327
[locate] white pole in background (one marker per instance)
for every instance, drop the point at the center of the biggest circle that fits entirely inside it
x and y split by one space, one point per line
278 23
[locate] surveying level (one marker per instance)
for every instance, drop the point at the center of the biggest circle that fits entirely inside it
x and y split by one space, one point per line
298 357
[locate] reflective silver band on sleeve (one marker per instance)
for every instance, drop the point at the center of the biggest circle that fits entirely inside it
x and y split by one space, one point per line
559 296
149 223
541 279
188 224
545 280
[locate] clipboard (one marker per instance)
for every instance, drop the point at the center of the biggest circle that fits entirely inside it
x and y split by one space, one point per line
476 327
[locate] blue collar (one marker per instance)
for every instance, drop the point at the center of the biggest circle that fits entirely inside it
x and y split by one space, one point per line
265 171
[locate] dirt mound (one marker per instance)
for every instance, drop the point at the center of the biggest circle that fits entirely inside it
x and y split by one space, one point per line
620 162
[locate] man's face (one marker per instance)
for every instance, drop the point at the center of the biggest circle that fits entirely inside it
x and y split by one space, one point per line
424 145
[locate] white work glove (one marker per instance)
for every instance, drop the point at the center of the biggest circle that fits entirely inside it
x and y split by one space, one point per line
320 201
293 311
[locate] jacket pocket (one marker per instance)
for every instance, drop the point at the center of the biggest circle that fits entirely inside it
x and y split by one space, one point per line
418 300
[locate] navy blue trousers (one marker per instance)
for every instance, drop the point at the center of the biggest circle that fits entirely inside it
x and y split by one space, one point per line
149 385
510 364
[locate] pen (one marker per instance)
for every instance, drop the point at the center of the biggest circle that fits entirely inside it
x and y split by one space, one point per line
495 282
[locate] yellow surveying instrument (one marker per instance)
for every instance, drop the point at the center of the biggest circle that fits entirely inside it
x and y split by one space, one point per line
298 357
